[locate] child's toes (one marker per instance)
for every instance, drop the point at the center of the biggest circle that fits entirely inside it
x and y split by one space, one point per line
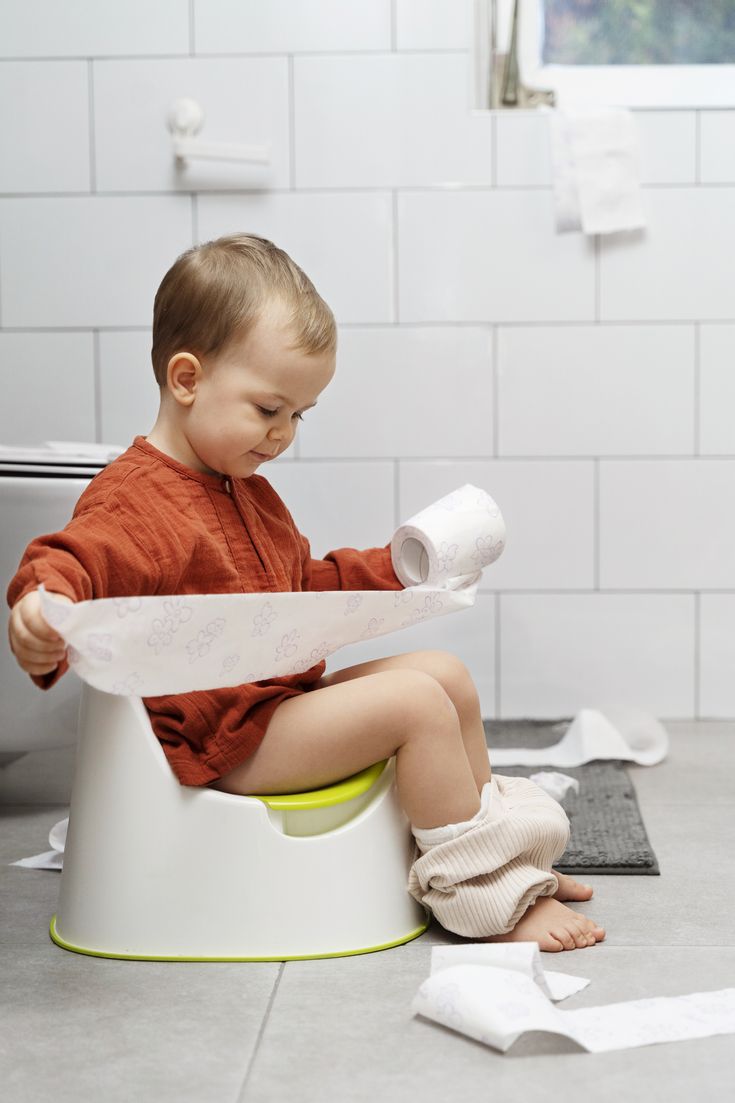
564 936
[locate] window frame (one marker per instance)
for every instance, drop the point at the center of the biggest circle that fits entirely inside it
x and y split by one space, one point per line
636 86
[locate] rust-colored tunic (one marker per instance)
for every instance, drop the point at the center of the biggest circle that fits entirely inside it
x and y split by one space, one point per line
148 524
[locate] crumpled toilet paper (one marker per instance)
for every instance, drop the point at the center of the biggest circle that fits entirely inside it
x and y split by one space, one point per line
496 992
555 784
152 646
622 733
50 859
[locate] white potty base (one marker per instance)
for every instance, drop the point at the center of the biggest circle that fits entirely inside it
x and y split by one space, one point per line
157 871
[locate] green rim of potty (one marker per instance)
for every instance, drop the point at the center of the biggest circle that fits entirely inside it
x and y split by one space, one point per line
56 937
342 791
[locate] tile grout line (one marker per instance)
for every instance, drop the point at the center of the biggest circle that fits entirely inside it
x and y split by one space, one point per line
97 375
92 147
261 1032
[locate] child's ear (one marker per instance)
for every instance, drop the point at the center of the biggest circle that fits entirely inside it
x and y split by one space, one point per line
182 376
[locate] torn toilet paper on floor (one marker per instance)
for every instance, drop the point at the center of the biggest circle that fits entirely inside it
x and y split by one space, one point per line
495 993
50 859
626 734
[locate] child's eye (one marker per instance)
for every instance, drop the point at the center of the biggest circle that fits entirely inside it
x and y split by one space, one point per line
266 412
299 416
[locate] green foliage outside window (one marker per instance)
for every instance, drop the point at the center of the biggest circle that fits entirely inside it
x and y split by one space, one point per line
639 32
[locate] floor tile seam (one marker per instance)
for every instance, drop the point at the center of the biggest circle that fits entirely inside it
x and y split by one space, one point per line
241 1096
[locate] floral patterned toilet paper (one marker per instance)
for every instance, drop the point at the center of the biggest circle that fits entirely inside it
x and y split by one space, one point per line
151 646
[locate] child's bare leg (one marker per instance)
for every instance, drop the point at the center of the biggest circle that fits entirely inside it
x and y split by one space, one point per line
454 677
329 733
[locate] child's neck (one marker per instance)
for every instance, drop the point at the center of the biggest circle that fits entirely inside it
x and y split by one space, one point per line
171 440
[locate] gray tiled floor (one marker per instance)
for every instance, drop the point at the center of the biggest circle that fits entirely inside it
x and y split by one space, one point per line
86 1029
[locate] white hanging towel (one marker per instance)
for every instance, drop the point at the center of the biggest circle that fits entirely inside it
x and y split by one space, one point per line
595 163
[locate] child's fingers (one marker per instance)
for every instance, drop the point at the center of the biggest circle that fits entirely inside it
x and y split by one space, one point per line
36 624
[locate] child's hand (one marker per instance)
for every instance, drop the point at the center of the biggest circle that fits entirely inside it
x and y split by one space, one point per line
36 645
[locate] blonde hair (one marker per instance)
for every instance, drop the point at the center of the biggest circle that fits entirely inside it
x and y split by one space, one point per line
215 292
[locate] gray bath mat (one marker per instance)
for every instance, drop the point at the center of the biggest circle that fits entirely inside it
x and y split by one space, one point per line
608 834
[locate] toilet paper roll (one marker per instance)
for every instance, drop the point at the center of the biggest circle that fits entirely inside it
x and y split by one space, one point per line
451 542
179 643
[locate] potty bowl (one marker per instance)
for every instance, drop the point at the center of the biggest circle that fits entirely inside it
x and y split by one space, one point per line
157 870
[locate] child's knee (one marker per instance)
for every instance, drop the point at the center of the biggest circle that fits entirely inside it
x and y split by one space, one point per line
423 701
455 678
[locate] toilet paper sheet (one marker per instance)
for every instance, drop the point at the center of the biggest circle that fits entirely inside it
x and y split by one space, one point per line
152 646
497 992
623 734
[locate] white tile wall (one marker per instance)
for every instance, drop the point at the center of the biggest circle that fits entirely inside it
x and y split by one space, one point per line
342 240
667 524
41 374
492 256
679 267
132 100
129 394
44 138
560 653
348 133
337 505
717 655
406 391
717 389
87 261
291 26
717 147
433 24
88 28
476 343
548 509
596 390
667 146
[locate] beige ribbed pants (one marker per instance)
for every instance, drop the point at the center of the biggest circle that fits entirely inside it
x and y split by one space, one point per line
479 878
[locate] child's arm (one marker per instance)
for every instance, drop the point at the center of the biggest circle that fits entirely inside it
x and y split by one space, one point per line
348 569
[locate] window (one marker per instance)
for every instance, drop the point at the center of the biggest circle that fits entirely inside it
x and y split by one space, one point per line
630 53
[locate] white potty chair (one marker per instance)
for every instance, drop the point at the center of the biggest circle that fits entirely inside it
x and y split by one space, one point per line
157 870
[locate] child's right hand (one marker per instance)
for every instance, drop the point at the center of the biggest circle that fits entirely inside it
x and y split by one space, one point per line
36 645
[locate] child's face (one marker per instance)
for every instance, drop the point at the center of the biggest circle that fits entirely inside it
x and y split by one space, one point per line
249 398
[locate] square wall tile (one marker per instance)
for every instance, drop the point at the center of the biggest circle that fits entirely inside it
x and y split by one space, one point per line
337 505
596 390
129 395
717 389
490 256
245 101
291 26
391 120
86 28
47 387
677 269
547 506
667 148
44 139
469 634
434 24
563 652
87 262
342 241
717 147
406 391
667 524
717 655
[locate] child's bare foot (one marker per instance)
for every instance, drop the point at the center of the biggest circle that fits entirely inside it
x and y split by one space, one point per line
554 926
569 889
